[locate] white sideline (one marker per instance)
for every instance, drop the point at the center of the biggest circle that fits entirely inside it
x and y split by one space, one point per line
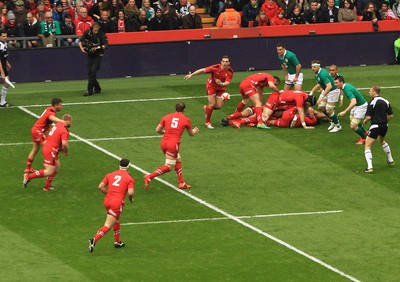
218 210
93 140
225 218
157 99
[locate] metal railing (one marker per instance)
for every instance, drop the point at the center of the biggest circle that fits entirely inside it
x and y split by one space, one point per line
25 39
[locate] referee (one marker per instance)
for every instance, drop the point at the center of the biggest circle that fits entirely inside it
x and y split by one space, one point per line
93 42
379 112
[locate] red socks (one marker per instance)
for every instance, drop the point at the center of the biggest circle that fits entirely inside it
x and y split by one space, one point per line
160 171
117 228
178 170
235 115
258 111
208 113
50 179
36 174
102 231
29 164
240 107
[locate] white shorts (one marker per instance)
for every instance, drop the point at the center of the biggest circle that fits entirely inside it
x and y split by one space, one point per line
289 81
359 111
333 96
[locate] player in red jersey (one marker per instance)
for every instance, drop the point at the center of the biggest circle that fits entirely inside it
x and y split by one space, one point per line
119 182
220 78
251 88
288 97
172 126
290 118
40 129
56 141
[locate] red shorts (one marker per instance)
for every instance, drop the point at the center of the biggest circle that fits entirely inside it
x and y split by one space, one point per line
38 135
273 101
212 91
170 148
50 156
246 90
114 207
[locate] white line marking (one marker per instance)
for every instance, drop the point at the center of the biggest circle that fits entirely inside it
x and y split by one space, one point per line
93 140
158 99
121 101
212 207
225 218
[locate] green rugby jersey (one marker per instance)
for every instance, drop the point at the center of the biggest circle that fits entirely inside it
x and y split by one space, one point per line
351 92
290 61
323 77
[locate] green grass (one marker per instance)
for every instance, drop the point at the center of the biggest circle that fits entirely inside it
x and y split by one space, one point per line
244 172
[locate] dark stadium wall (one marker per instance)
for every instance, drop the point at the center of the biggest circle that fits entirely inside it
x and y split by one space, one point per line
181 57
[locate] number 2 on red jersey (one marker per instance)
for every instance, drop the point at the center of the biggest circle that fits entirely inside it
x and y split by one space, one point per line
117 180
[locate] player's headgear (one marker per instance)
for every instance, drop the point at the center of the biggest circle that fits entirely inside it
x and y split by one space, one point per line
311 99
124 163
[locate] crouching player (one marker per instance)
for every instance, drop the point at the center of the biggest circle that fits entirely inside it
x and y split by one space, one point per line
119 182
290 117
299 98
251 89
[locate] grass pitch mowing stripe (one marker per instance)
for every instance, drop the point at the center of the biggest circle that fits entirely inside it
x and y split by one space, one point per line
21 260
234 218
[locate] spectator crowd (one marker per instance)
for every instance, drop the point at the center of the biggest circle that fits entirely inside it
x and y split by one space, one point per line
249 13
45 19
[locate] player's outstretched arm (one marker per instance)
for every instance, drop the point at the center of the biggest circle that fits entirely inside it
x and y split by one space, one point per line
55 119
302 120
273 86
193 131
194 73
353 102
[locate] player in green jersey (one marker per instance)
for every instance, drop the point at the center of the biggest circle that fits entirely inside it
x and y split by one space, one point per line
357 107
291 68
329 94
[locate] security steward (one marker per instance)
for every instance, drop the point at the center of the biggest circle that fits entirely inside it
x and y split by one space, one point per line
93 42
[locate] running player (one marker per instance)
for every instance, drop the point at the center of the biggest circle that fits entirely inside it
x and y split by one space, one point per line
40 129
220 78
57 142
119 182
172 127
357 107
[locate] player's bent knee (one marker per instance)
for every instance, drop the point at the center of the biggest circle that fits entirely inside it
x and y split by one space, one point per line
330 109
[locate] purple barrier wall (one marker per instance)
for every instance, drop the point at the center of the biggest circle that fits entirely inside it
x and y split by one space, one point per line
181 57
